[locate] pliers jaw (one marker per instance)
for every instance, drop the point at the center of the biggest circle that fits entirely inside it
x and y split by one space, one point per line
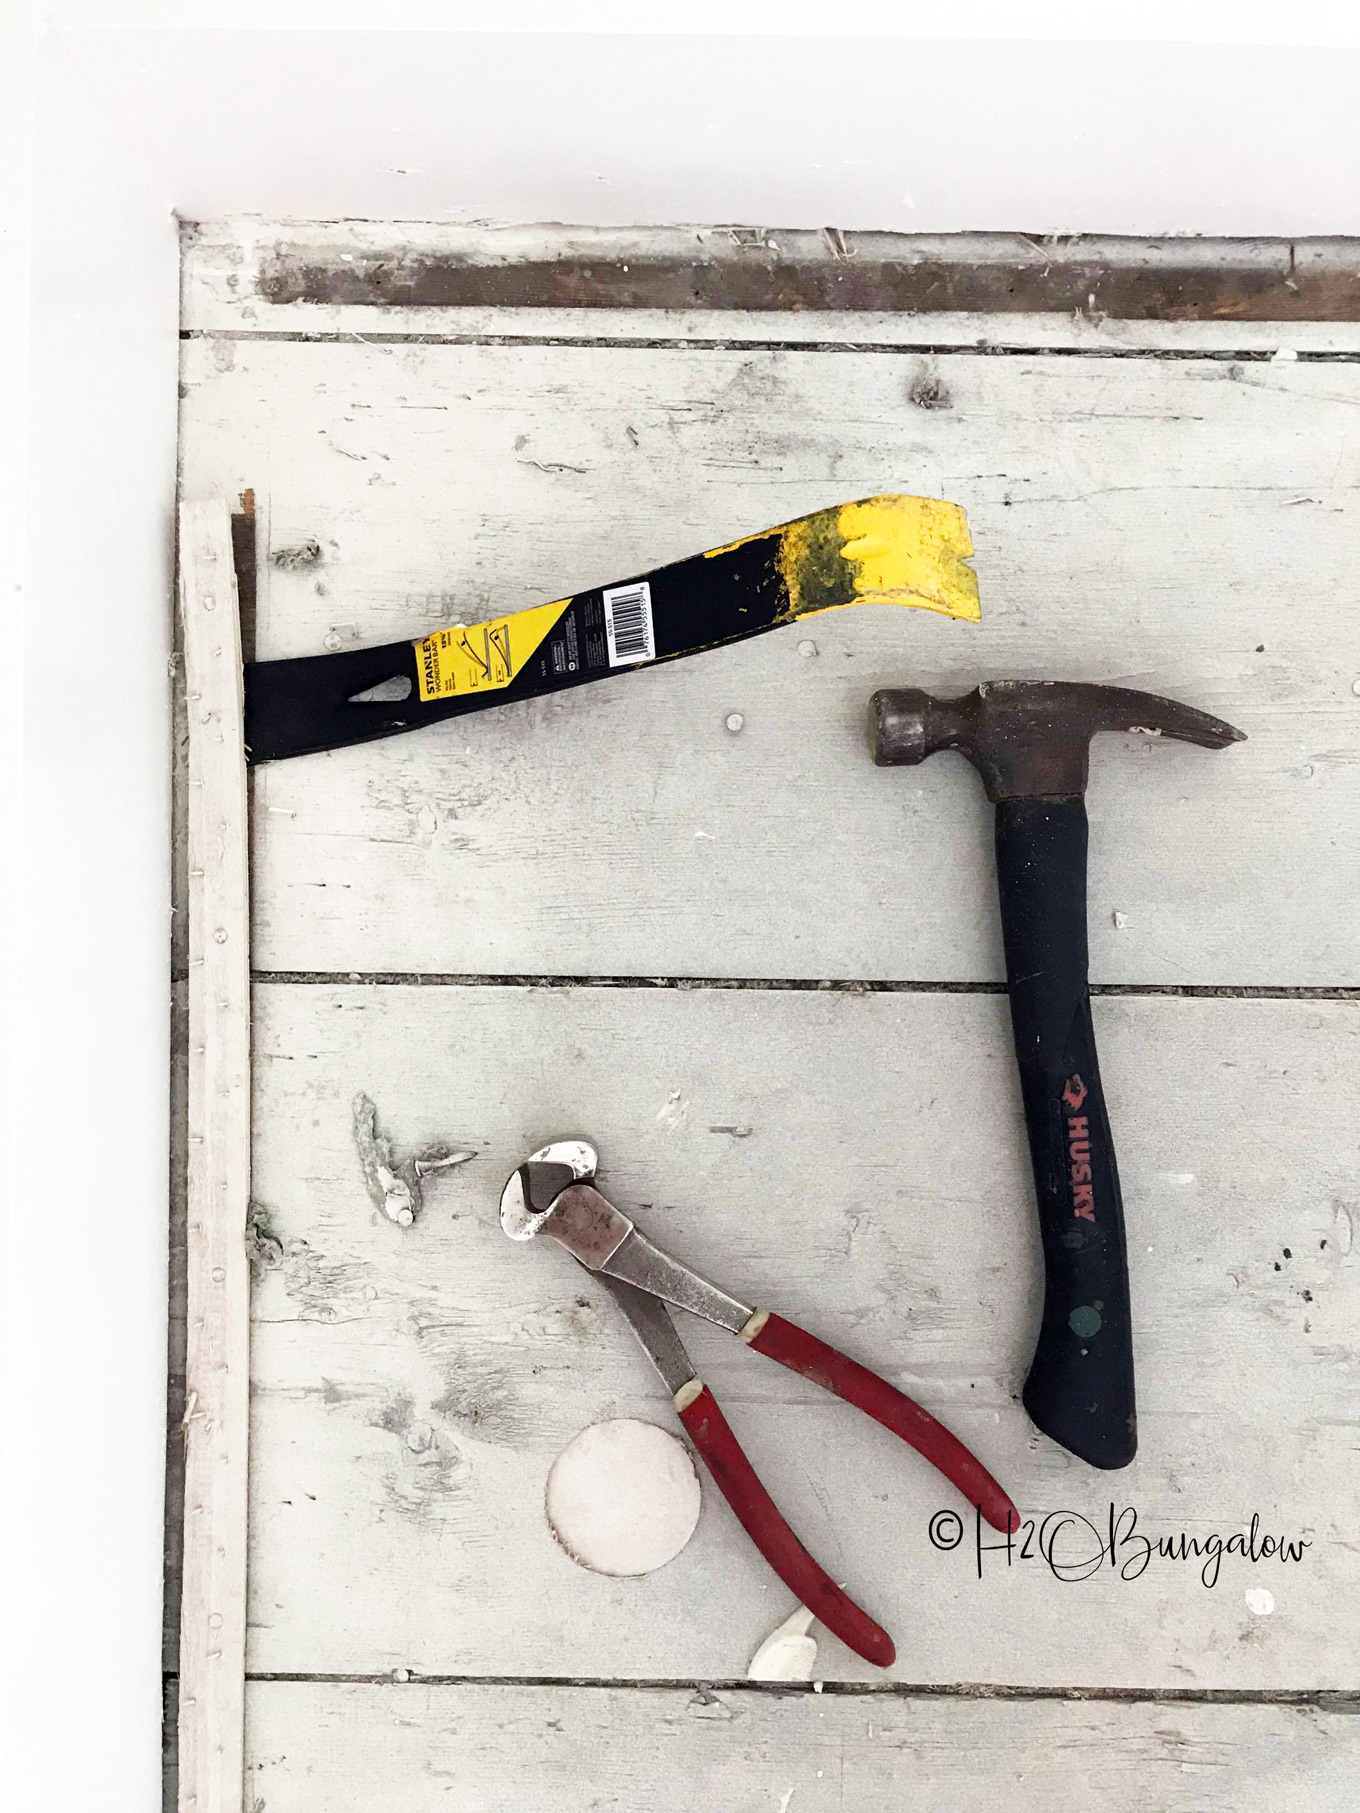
531 1192
552 1192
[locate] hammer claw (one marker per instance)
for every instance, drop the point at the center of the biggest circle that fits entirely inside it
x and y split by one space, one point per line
1030 739
1148 714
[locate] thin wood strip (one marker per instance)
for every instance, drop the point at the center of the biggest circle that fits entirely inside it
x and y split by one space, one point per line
213 1606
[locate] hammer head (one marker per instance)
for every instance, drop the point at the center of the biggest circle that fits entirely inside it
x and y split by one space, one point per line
1029 739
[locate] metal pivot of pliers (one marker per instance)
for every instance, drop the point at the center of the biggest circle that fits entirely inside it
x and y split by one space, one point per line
553 1193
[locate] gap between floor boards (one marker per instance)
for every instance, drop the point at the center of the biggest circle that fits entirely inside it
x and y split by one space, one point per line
306 978
737 342
1326 1699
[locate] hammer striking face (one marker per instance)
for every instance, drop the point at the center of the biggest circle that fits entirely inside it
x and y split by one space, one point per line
1030 742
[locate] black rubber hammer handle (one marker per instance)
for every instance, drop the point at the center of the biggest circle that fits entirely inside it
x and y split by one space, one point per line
1030 743
1080 1385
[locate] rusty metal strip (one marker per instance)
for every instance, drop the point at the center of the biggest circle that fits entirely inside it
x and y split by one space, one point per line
769 270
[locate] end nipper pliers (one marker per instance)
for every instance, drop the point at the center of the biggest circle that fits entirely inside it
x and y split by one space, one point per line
553 1192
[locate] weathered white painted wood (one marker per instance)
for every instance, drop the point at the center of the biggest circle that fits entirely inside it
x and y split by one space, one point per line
413 1386
221 296
216 1414
326 1748
1176 525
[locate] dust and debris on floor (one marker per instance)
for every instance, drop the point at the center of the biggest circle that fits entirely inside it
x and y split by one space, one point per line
397 1186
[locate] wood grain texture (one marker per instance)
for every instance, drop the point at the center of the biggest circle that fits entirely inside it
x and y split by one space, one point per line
412 1387
217 1376
472 1749
1178 525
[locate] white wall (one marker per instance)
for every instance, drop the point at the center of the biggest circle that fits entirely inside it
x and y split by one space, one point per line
920 136
131 125
85 1246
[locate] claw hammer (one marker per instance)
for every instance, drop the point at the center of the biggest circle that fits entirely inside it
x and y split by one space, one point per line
1030 742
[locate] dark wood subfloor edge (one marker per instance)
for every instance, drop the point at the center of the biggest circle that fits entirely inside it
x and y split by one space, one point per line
772 270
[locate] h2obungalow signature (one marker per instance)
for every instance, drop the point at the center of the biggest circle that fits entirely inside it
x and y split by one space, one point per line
1073 1547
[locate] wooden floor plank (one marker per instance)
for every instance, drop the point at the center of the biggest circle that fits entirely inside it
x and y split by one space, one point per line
328 1748
413 1386
1174 525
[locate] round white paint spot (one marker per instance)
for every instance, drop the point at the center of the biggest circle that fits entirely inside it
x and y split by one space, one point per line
623 1497
1260 1601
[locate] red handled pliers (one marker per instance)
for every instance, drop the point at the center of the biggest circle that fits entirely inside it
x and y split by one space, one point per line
552 1192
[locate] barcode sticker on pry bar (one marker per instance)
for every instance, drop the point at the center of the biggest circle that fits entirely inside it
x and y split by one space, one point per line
628 624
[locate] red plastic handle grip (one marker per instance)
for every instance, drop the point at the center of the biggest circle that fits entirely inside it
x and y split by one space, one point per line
804 1353
756 1510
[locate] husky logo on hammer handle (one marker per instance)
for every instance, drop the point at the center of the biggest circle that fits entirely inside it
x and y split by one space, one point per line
1074 1092
1079 1151
1029 741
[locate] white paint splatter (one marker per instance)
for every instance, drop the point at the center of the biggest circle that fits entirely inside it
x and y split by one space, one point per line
623 1497
673 1112
1260 1601
397 1200
788 1653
